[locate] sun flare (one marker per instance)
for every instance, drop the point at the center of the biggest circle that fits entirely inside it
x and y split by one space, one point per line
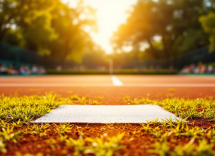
110 14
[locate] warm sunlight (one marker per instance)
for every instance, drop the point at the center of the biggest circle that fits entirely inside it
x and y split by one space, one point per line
110 14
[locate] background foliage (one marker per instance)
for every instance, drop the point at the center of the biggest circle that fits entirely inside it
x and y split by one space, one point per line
154 30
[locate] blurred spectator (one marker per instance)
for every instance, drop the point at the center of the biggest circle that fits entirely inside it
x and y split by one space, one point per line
41 70
210 68
202 68
22 70
182 71
16 69
3 69
185 70
192 68
27 70
199 69
10 70
34 69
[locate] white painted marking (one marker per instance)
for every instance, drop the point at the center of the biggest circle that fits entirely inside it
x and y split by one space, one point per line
116 81
105 114
102 85
49 85
172 85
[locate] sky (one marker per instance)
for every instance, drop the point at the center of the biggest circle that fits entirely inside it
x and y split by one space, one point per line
110 14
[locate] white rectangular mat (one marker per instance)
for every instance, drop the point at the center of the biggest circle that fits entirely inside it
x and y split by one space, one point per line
105 114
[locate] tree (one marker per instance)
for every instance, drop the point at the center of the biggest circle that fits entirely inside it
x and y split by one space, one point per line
48 27
29 21
69 23
17 13
208 24
173 23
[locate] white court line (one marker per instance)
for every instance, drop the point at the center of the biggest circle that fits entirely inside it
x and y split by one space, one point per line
49 85
116 81
102 85
172 85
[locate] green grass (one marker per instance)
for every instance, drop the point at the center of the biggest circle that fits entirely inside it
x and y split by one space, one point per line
103 146
184 108
26 108
16 112
165 146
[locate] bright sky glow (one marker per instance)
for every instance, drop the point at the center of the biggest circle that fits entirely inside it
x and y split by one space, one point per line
110 14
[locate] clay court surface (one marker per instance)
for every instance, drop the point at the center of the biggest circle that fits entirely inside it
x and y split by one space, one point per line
112 88
137 140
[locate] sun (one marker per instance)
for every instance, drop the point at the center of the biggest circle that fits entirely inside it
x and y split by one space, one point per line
110 14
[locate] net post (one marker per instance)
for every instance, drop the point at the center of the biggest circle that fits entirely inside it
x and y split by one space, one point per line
111 66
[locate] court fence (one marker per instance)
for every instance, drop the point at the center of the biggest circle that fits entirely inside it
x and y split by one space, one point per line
192 57
195 56
15 55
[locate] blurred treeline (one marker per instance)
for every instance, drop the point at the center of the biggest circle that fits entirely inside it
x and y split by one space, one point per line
166 29
50 27
154 29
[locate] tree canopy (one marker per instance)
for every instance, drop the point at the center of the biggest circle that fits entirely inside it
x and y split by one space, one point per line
168 27
154 30
49 27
